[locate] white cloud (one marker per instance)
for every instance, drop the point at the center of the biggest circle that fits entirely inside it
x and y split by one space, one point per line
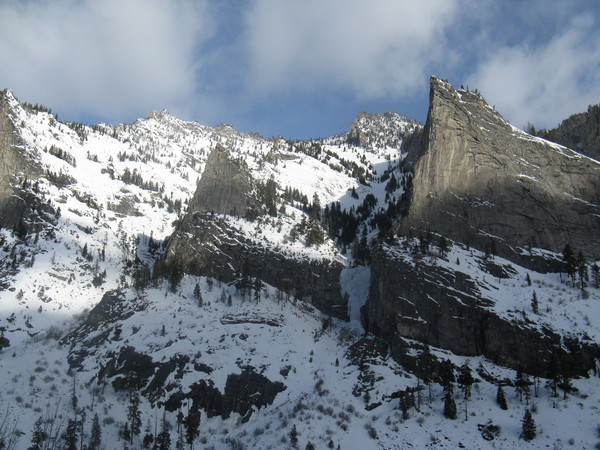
374 48
109 59
544 84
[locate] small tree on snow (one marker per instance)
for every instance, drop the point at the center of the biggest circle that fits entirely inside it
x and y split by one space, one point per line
294 436
528 426
535 306
96 437
449 406
465 380
501 398
198 295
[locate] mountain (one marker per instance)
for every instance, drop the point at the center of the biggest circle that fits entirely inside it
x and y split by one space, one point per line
482 180
580 132
233 291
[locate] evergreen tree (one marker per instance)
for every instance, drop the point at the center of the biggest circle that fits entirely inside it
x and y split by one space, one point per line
570 262
596 276
96 434
191 424
565 378
126 434
134 415
163 440
294 436
535 306
465 380
501 398
582 271
528 430
39 436
70 437
447 376
522 385
148 435
198 295
554 375
449 406
175 276
443 246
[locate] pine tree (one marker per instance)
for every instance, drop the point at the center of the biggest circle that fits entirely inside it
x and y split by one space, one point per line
148 435
134 415
501 398
582 271
465 380
535 306
39 435
191 424
596 275
522 385
294 436
570 262
447 376
70 437
163 440
198 295
96 437
528 430
449 406
554 375
443 246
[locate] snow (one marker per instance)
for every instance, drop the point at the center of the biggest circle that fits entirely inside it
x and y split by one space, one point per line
52 290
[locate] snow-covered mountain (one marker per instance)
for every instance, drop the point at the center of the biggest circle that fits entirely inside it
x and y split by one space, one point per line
167 276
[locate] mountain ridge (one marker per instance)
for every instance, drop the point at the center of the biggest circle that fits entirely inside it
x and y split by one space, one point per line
204 272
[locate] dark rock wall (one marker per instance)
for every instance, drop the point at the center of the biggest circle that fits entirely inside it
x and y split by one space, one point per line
446 309
207 245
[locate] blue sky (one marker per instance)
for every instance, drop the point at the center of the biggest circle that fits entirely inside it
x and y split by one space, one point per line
299 69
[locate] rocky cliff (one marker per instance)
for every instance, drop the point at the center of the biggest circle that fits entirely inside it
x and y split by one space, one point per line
225 186
580 132
478 179
17 168
209 241
444 306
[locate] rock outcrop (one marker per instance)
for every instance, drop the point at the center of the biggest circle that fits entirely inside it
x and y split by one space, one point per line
208 243
414 299
210 246
17 168
380 130
580 132
479 179
225 186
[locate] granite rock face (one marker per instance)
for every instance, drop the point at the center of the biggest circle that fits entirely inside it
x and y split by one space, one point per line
225 186
445 308
485 184
478 179
16 167
580 132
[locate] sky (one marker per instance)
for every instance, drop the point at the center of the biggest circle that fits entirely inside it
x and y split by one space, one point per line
298 69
